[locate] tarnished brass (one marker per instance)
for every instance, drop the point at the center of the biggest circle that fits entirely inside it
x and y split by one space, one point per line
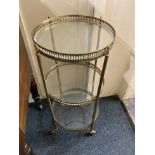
67 58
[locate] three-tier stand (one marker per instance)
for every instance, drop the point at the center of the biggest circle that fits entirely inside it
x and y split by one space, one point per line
69 49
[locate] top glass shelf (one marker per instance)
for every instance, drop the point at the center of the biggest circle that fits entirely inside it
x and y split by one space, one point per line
73 38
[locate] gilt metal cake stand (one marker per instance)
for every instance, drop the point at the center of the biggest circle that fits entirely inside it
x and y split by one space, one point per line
72 46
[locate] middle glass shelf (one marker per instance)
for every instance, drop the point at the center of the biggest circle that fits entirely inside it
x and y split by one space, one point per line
73 84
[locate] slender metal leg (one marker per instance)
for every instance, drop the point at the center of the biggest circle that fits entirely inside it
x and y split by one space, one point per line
49 101
92 132
59 81
55 130
97 46
54 48
94 77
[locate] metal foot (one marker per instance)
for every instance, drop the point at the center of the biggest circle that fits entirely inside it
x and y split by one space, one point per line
54 131
39 106
91 133
38 103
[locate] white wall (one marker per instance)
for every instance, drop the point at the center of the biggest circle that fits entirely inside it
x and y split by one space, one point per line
119 13
34 12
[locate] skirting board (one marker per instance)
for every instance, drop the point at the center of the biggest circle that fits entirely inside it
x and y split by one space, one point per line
116 97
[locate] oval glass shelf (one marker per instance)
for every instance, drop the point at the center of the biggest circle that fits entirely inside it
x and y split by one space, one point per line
74 118
77 83
73 38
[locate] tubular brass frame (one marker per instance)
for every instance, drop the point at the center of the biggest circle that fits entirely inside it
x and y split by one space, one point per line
48 97
83 58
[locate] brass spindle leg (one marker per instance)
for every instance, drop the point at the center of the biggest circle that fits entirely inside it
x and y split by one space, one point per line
53 44
97 46
94 76
49 100
91 132
58 74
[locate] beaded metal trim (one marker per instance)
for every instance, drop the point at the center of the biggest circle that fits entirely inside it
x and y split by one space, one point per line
74 57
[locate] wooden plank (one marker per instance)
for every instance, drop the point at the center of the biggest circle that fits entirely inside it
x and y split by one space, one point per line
25 76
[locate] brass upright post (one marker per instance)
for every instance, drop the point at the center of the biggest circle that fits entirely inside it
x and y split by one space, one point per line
97 46
49 100
53 44
98 93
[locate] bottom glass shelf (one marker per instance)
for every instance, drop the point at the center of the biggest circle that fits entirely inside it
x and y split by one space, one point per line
73 89
74 117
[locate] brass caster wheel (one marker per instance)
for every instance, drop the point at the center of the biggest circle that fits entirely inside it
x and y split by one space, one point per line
91 133
54 131
39 106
